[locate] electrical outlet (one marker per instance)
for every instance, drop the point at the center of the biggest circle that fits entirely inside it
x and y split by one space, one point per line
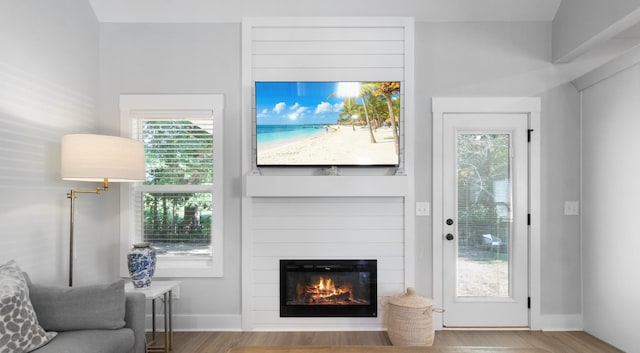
571 208
423 208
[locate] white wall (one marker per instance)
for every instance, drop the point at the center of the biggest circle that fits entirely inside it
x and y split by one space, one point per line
452 59
579 23
48 87
610 191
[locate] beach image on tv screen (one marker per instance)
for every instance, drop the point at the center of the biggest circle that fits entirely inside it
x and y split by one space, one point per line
327 123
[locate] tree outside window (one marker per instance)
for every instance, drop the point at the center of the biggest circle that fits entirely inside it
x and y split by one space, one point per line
175 201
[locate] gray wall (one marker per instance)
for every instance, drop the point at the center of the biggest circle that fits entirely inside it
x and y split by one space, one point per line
610 191
48 87
485 59
452 59
560 265
193 58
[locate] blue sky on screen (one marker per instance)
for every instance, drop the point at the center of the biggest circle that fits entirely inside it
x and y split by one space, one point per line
294 103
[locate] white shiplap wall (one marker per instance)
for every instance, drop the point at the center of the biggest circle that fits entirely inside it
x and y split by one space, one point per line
293 225
324 228
328 52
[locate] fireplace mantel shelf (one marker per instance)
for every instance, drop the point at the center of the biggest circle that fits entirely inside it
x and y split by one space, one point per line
326 186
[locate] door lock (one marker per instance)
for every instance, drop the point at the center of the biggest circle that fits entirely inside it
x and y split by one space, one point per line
449 236
449 221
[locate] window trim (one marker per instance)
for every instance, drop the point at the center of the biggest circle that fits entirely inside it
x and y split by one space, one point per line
132 106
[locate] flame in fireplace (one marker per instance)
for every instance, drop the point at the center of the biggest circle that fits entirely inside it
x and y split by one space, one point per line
325 291
326 285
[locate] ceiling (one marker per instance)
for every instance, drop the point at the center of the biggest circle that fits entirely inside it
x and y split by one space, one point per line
207 11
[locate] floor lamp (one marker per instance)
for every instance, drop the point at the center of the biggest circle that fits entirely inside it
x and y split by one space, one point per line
98 158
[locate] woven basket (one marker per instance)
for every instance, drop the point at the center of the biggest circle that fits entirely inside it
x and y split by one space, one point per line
410 321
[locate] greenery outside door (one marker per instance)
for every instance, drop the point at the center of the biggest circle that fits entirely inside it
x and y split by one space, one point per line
485 207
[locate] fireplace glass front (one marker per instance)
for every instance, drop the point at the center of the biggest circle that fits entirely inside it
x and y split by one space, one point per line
328 288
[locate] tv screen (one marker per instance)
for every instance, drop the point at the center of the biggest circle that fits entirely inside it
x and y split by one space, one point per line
327 123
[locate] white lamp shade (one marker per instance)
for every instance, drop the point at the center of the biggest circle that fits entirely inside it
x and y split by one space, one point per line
88 157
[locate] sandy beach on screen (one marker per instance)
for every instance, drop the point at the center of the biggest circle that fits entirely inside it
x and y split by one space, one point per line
339 145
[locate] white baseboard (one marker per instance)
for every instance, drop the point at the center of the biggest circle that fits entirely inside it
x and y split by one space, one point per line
234 323
571 322
199 323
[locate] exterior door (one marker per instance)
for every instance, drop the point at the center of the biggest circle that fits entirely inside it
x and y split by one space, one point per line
485 208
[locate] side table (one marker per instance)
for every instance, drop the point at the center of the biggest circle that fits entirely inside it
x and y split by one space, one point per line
159 289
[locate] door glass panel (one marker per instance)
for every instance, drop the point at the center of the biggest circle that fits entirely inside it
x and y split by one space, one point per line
484 214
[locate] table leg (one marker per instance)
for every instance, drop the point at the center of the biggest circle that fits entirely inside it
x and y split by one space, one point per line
166 326
167 312
170 306
153 320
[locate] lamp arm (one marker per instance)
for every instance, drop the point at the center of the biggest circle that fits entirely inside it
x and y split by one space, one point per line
105 187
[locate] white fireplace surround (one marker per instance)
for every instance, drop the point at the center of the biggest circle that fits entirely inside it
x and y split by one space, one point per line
297 213
329 228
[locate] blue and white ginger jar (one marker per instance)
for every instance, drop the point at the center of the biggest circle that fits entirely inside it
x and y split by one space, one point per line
141 260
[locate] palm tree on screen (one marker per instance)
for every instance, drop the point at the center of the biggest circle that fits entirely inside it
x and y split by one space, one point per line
387 90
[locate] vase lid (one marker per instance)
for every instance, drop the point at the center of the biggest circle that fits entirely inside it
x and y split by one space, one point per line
145 244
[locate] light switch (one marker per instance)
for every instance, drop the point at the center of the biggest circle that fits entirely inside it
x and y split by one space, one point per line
571 208
423 208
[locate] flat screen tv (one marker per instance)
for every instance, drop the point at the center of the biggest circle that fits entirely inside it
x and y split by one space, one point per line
327 123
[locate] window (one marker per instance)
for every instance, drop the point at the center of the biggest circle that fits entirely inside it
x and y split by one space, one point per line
179 206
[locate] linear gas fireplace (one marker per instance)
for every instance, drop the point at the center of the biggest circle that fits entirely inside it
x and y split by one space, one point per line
328 288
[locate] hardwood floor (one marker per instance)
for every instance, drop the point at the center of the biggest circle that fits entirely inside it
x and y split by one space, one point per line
554 342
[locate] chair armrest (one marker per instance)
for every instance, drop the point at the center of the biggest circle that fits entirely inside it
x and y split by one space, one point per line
135 319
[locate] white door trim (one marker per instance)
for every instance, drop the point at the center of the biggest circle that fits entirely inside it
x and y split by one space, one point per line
527 105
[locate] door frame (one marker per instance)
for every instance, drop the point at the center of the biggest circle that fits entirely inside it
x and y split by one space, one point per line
453 105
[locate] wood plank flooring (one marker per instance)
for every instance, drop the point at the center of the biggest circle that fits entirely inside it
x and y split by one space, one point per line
381 349
554 342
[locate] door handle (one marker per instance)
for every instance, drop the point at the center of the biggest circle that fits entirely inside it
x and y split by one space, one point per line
449 236
449 221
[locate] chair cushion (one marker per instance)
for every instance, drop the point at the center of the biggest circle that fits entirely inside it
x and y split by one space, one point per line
19 328
99 306
91 341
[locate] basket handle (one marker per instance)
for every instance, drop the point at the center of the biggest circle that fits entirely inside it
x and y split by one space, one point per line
435 310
